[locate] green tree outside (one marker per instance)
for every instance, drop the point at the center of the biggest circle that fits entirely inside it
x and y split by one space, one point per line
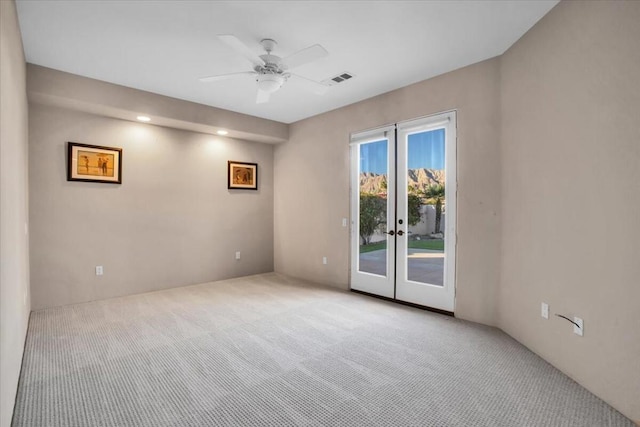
414 201
373 214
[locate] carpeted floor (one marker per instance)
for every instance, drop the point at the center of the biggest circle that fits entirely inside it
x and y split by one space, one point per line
270 351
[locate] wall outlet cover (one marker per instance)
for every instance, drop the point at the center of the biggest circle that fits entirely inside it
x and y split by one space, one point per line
544 310
578 329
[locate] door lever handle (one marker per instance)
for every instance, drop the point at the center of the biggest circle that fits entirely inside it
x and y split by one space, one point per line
390 233
400 233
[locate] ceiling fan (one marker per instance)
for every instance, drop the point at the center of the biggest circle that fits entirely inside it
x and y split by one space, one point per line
271 71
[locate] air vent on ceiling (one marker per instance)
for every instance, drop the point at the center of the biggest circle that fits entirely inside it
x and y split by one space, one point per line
342 77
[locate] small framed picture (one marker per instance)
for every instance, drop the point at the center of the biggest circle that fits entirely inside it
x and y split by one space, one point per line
242 176
92 163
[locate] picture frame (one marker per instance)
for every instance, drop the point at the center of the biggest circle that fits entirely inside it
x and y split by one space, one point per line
242 175
94 163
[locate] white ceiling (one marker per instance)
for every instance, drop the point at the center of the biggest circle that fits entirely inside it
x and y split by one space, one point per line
165 46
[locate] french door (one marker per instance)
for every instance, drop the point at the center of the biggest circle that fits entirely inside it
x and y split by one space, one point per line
403 211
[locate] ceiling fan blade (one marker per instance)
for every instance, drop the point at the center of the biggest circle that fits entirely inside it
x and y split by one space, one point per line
305 56
242 49
226 76
262 97
312 85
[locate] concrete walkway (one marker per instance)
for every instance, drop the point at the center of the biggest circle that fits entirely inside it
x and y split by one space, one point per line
424 266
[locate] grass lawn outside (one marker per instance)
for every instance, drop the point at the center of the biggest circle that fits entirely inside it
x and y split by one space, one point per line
434 245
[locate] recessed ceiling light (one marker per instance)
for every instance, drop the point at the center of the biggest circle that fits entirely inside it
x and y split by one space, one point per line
222 132
144 118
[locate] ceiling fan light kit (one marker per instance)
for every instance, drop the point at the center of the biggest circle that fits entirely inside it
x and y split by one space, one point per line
270 70
270 82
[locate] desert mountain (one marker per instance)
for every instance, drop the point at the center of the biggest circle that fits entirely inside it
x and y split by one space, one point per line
417 178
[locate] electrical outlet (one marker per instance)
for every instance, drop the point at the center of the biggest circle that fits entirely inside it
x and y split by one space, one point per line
238 255
344 222
544 310
324 260
99 270
579 328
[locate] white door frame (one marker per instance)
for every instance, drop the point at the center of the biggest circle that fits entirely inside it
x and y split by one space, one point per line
395 285
435 296
359 280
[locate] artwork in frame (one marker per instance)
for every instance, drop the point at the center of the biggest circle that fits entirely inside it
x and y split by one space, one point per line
93 163
242 176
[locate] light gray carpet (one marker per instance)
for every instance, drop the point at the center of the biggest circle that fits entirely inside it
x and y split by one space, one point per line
268 350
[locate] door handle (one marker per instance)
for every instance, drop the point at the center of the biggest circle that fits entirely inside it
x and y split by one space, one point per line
400 233
390 233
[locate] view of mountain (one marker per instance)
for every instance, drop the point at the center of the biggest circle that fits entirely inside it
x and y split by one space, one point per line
417 178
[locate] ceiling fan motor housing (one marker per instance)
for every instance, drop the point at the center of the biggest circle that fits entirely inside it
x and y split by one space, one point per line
270 76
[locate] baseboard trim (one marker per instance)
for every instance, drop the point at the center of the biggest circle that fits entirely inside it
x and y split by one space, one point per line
19 385
410 304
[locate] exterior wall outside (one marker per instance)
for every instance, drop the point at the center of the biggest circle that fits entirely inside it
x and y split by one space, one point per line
426 226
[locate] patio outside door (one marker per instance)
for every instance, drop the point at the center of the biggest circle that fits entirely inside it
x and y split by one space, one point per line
403 211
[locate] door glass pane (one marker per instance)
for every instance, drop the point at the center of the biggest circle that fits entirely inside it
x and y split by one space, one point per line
373 176
426 207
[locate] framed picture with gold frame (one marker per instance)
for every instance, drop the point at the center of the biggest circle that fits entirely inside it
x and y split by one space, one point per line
242 175
93 163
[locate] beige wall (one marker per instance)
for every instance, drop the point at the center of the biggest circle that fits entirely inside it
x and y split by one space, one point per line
14 248
172 222
52 87
544 133
312 183
571 141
